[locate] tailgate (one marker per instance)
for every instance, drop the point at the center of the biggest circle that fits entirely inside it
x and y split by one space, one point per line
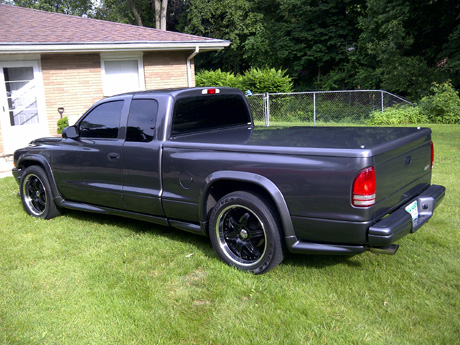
402 172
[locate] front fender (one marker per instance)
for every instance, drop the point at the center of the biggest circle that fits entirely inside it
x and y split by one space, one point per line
29 159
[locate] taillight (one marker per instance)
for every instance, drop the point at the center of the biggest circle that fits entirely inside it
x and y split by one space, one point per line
432 155
364 188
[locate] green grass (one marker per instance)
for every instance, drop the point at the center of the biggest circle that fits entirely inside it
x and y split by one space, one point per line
90 279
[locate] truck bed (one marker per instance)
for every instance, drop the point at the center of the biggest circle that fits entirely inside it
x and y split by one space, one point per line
314 168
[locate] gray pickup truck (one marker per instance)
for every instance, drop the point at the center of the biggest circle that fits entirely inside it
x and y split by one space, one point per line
192 159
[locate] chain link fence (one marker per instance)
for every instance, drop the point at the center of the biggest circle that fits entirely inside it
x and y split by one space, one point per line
320 107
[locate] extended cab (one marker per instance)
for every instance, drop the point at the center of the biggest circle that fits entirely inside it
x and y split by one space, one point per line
192 159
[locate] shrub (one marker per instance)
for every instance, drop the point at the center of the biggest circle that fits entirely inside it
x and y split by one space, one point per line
61 124
443 106
404 114
267 80
218 78
255 79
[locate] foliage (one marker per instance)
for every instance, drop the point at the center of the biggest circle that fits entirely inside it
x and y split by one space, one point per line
266 80
443 105
61 124
233 20
397 115
306 37
400 45
255 79
74 7
397 45
218 78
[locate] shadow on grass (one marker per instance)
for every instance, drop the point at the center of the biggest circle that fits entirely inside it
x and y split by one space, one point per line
202 243
319 261
143 227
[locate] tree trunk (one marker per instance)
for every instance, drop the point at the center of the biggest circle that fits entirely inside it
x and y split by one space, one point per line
164 9
160 7
136 13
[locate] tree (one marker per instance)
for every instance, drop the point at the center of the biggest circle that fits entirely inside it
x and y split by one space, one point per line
149 13
73 7
400 48
233 20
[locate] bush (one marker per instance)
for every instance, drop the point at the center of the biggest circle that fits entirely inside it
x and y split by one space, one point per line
397 115
255 79
443 106
61 124
218 78
267 80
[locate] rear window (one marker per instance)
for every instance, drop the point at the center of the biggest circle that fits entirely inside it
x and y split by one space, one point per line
195 114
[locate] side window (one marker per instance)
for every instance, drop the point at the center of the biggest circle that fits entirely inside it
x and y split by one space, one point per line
142 119
102 122
193 114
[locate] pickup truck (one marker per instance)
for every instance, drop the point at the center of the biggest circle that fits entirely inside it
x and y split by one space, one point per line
192 159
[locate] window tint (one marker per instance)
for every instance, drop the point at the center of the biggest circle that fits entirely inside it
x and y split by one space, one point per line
103 121
142 119
205 112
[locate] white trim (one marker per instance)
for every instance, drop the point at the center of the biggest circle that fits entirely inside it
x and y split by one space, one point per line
15 48
189 66
20 57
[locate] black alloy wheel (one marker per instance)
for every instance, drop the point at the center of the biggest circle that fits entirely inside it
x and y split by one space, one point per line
36 194
245 232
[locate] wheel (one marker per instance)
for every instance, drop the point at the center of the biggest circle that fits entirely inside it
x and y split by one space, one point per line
245 232
36 194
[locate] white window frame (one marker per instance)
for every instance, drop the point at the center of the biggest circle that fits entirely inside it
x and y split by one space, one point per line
138 56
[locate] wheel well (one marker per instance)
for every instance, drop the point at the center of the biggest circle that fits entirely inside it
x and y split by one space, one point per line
27 163
24 164
224 187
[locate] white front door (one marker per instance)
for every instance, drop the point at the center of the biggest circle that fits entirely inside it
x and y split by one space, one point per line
21 104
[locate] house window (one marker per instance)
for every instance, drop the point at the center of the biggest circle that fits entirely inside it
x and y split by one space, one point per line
122 73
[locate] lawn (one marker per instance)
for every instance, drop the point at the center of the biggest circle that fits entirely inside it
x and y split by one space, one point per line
90 279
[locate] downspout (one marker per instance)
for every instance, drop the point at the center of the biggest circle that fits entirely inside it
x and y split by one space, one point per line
189 66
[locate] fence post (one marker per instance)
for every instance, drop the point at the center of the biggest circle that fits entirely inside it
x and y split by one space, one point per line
383 104
267 109
314 108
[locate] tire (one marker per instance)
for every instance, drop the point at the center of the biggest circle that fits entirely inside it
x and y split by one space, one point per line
36 194
245 232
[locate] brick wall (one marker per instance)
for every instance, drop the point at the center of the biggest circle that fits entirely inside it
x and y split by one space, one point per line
72 81
166 70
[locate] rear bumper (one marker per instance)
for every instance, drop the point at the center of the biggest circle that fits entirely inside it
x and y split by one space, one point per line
399 223
381 235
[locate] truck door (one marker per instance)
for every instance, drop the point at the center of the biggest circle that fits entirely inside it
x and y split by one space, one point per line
141 159
88 168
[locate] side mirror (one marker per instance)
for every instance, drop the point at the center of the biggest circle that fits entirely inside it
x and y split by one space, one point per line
70 132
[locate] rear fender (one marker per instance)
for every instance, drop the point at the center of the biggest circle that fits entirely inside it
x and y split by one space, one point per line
249 178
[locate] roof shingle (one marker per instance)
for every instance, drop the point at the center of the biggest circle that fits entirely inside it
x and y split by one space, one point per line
27 26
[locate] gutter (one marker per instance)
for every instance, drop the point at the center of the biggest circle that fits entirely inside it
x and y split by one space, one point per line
24 48
189 65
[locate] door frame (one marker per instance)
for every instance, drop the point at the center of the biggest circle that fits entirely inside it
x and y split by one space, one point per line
14 137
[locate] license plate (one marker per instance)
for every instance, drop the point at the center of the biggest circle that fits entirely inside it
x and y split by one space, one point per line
412 208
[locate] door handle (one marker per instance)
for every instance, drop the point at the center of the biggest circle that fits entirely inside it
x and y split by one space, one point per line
112 156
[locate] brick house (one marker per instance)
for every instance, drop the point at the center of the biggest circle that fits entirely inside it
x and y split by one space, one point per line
50 61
